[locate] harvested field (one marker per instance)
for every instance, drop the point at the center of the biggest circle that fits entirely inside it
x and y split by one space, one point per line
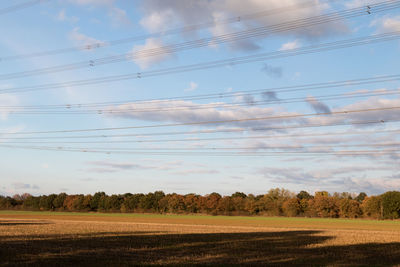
35 238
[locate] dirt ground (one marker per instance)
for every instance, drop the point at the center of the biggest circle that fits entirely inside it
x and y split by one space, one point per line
63 240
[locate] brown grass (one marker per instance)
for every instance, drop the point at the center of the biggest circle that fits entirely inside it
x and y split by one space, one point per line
61 240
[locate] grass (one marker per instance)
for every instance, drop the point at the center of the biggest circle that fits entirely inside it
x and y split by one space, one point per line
87 239
308 223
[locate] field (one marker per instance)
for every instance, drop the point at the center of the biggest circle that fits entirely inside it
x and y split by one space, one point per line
45 238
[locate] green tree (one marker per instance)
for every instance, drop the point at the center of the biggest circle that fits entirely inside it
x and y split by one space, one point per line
391 205
360 198
94 202
58 201
304 195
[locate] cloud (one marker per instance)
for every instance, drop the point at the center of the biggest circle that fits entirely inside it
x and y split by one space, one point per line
274 72
383 105
150 53
270 96
92 2
354 178
387 24
7 100
290 45
23 186
62 16
318 106
117 14
359 3
180 111
82 39
109 167
196 171
248 99
192 86
158 21
159 15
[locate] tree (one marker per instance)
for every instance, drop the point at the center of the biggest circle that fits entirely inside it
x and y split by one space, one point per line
304 195
94 202
349 208
46 202
131 202
192 203
325 205
238 194
210 203
58 201
291 207
360 198
391 205
31 203
372 207
113 203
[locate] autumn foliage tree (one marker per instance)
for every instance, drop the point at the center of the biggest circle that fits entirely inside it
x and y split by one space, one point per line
276 202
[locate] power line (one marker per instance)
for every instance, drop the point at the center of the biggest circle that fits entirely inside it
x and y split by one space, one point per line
185 29
219 63
19 7
239 148
342 133
284 89
275 153
265 30
345 112
229 130
109 110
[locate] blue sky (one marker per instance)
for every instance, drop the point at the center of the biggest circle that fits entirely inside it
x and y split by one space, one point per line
55 24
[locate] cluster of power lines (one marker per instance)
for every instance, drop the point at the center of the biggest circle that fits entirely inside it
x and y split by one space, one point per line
272 127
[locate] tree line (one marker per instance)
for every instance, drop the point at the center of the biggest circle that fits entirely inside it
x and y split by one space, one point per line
276 202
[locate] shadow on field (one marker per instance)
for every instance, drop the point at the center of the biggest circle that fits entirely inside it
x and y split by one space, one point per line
141 248
17 222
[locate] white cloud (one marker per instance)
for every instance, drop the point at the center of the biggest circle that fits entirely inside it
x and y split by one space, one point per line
290 45
62 16
158 21
7 100
387 24
160 15
192 86
81 39
186 111
92 2
353 178
22 186
150 53
360 3
117 14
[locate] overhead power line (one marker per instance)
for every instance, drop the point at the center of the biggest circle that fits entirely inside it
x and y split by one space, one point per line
225 138
185 29
231 37
219 63
213 131
116 110
284 89
374 153
20 6
345 112
263 147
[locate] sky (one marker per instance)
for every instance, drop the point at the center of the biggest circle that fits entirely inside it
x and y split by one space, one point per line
196 96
